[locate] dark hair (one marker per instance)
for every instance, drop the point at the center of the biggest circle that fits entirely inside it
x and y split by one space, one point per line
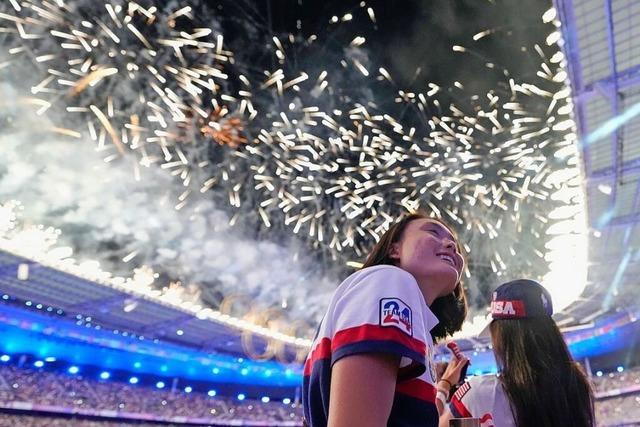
451 309
545 387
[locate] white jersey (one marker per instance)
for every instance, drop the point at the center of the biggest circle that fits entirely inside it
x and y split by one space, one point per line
483 397
378 309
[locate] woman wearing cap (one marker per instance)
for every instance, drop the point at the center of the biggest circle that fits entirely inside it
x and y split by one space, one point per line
538 383
370 363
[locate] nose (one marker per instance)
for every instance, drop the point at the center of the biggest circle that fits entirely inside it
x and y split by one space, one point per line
448 243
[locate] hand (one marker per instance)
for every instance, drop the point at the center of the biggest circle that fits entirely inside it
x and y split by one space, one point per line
440 368
454 368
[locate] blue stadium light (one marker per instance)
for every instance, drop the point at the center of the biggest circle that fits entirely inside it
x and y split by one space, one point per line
28 303
164 368
244 371
188 389
5 358
286 401
180 332
39 306
105 375
267 373
265 399
212 393
620 369
133 380
288 372
50 359
159 384
137 365
38 363
599 373
73 370
5 297
216 371
241 396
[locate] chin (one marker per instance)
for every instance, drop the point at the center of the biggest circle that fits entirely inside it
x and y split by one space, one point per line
449 279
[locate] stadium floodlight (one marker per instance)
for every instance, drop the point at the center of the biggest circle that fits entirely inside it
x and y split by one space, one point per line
244 371
620 369
133 380
599 374
265 399
159 384
286 401
105 375
73 370
137 365
216 371
212 393
179 332
188 389
5 358
241 396
50 359
38 363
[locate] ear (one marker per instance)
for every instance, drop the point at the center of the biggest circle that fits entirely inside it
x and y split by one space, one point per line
394 251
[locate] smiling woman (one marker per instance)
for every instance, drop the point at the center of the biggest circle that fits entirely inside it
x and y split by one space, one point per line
370 363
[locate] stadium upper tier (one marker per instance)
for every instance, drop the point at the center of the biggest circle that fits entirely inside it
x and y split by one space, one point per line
119 308
604 71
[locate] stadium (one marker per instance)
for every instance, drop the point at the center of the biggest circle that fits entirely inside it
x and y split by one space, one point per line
184 184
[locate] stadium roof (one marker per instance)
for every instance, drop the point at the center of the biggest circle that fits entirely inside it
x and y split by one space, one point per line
603 60
119 310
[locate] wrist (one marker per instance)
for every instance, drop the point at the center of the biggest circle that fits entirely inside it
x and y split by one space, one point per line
446 381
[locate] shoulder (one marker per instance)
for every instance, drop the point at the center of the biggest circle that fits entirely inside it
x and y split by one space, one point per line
475 387
388 277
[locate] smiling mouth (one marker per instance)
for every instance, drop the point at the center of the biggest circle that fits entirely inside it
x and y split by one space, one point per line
448 259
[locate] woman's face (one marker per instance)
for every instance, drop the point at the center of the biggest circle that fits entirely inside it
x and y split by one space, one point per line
428 251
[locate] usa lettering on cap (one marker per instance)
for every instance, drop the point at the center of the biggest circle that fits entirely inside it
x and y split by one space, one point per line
513 308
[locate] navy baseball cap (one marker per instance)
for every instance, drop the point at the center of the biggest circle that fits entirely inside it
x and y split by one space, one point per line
519 299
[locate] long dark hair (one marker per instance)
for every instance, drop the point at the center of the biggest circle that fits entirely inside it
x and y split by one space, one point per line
545 387
451 309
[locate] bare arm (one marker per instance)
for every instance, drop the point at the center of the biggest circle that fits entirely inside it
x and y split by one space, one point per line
450 376
445 417
362 389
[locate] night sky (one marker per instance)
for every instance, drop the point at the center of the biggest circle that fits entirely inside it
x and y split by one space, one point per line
417 34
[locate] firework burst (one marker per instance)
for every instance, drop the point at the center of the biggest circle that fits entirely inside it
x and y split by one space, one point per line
299 142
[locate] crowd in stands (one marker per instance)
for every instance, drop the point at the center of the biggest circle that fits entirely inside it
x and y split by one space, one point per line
618 402
78 393
619 398
617 380
15 420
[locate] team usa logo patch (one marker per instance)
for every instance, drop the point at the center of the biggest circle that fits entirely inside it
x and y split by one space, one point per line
394 312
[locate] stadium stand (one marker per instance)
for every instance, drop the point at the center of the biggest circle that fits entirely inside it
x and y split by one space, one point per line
618 398
53 393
